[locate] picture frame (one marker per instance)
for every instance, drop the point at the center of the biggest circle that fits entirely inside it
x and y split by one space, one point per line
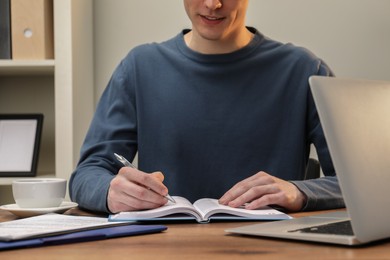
20 138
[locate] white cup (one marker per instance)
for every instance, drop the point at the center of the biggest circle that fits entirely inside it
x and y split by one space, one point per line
39 192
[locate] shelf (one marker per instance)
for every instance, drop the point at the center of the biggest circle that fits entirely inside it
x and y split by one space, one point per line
62 88
26 67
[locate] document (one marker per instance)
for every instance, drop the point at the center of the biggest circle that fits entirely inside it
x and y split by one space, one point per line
203 210
55 229
49 224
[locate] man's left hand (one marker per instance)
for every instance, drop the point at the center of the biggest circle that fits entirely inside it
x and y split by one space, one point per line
262 190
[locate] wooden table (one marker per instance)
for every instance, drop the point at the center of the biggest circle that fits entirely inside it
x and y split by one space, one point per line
195 241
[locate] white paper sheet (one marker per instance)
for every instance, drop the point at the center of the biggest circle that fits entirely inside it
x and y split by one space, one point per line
49 224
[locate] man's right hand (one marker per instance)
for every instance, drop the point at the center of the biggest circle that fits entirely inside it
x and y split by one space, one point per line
133 189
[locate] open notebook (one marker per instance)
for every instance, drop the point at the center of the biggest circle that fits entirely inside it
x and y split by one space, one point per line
355 116
203 210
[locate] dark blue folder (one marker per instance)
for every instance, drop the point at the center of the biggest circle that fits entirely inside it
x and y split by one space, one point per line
83 236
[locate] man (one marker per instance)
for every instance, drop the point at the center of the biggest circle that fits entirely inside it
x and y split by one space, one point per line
218 111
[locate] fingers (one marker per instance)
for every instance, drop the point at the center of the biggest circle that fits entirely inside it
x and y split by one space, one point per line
261 190
151 181
259 179
132 189
285 194
158 175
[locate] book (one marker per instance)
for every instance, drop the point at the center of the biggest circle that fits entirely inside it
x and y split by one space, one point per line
32 29
203 211
5 29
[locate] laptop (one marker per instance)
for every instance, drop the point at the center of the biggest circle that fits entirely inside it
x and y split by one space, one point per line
355 116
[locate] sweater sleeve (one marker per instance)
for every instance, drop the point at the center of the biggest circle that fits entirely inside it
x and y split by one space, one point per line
322 193
112 130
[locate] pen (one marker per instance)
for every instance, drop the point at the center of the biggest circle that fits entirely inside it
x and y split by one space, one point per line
126 163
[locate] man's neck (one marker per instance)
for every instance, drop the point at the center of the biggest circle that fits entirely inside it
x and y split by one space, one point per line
205 46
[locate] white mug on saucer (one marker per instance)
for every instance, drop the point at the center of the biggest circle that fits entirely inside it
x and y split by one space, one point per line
39 192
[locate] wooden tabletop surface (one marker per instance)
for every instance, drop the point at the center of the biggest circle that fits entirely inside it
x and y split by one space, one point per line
195 241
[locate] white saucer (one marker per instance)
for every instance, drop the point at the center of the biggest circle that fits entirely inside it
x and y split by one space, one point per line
29 212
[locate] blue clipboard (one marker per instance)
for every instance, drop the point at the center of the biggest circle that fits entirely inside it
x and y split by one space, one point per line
84 236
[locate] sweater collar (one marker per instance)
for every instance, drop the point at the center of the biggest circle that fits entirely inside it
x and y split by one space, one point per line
216 58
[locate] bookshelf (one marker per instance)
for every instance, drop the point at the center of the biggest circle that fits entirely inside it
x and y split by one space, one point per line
27 67
61 89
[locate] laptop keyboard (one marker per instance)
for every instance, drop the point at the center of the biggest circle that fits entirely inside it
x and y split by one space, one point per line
337 228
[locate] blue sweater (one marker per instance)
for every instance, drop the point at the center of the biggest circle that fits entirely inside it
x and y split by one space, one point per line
208 121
